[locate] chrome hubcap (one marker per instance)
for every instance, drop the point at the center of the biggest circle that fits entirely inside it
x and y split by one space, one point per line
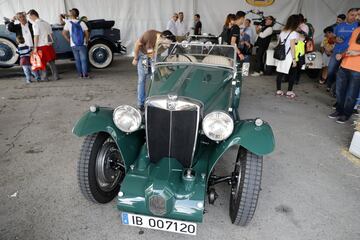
110 167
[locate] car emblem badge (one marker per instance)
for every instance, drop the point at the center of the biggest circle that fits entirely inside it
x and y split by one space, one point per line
171 102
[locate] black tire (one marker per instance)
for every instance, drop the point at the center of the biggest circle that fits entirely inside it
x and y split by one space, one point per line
91 172
313 73
100 54
245 187
8 55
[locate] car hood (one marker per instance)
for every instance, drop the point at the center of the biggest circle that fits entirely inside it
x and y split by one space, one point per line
209 84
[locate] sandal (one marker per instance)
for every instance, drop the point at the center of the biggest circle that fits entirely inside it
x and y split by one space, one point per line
290 94
279 93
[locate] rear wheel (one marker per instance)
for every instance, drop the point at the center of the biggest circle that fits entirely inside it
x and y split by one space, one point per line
101 168
100 54
245 187
8 55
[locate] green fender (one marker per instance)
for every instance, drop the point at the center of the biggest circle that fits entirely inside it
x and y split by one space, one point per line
259 140
102 121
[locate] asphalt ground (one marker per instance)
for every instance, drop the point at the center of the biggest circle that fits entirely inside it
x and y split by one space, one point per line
310 184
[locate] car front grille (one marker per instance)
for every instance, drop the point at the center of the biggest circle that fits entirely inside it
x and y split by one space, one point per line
172 128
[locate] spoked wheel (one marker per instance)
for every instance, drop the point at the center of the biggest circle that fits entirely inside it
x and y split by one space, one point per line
245 187
101 168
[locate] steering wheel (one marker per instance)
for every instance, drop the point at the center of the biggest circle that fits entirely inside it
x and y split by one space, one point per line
181 54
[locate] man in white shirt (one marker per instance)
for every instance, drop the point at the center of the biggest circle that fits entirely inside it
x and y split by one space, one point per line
180 25
42 34
81 37
24 28
171 25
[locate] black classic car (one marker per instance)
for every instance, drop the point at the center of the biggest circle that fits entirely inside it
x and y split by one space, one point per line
104 42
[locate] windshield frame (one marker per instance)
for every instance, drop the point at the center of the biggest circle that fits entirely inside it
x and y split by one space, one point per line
197 44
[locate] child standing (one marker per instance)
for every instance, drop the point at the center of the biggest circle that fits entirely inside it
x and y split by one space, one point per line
24 53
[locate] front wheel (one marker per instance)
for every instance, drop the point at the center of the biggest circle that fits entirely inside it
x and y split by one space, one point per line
245 187
8 55
101 168
100 55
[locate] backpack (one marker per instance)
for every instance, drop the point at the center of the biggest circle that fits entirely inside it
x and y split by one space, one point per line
77 33
279 51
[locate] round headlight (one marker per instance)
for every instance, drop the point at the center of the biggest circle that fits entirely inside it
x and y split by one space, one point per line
218 126
311 56
127 118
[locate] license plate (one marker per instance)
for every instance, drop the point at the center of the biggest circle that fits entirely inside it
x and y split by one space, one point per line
162 224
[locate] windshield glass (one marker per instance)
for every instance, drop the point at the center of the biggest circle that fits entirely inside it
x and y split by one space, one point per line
196 53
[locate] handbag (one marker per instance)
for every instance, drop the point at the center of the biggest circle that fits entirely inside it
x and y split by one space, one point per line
280 51
36 62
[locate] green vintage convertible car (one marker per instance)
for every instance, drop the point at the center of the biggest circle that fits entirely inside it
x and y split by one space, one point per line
160 164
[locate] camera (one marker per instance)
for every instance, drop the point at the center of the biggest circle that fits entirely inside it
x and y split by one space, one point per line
259 21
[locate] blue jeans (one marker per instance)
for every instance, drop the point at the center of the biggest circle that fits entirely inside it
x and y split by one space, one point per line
333 67
347 90
81 59
36 75
27 72
144 73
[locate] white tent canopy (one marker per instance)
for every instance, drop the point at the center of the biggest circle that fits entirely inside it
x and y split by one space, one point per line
133 17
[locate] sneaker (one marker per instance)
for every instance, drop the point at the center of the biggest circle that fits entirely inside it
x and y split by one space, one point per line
86 76
334 115
256 74
334 106
342 119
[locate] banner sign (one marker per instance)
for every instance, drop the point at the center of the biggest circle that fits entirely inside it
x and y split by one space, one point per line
260 3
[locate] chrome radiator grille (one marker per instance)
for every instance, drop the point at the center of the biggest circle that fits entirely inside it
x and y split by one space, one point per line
172 128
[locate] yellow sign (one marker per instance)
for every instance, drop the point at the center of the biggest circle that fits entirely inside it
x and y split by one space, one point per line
260 3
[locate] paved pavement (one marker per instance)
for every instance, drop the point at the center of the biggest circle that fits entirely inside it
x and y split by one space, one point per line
310 190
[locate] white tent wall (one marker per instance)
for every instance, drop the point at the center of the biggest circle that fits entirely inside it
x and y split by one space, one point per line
133 17
48 9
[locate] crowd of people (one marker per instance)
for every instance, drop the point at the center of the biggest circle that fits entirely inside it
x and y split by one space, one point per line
35 40
178 28
340 49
